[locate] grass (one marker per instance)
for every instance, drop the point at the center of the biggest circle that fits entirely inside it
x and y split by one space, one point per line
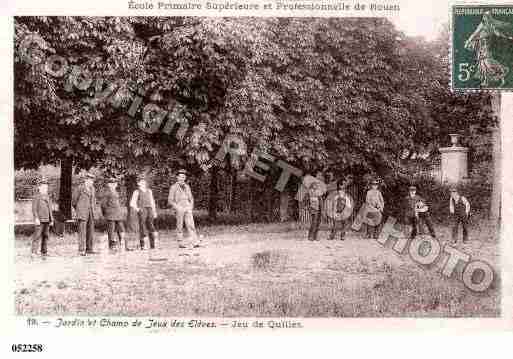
252 270
269 260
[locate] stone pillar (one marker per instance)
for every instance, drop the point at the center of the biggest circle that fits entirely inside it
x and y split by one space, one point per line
454 162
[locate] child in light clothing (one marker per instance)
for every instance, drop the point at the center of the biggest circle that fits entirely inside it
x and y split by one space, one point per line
375 204
181 199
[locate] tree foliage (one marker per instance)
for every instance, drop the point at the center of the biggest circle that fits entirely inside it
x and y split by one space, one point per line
340 93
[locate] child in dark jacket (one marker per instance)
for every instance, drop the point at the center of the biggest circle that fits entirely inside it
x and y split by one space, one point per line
43 218
112 212
416 210
459 207
84 203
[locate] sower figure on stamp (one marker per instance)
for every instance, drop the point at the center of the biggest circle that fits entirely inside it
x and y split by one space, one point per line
459 207
84 202
343 207
181 199
375 205
483 41
112 212
43 218
143 203
416 210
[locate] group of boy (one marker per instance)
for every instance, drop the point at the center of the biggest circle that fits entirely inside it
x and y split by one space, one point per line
416 211
142 203
182 201
341 208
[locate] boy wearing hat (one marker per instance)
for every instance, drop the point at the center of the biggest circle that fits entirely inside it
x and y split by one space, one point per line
84 202
459 207
143 203
343 207
43 218
375 204
111 208
315 207
416 209
181 199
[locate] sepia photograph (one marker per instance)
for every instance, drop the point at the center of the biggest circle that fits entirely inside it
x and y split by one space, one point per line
257 167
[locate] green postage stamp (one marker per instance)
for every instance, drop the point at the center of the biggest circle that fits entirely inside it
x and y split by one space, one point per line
482 47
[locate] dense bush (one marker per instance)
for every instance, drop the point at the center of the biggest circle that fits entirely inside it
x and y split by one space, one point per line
248 201
25 183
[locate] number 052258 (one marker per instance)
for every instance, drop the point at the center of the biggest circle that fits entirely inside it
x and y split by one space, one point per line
20 348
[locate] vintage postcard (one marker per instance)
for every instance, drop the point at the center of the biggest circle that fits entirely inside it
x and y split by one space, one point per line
283 166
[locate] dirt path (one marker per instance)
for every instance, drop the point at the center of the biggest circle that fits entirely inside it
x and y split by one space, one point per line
231 267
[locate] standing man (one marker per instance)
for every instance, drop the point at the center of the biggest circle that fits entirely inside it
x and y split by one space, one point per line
180 198
343 207
459 207
375 205
144 205
84 202
416 209
43 218
314 206
111 208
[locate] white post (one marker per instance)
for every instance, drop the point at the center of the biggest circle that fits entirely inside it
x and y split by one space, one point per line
454 161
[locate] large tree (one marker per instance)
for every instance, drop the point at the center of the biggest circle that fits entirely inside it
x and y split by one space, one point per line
344 93
58 119
314 91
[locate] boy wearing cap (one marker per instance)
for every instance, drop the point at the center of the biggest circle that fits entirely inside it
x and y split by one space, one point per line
84 202
315 199
416 209
143 203
375 204
43 218
459 207
315 207
111 209
343 207
181 199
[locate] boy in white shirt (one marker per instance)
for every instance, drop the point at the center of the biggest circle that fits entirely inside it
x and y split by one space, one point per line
143 204
343 207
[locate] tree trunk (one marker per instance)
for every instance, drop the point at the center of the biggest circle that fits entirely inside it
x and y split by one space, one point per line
250 200
65 188
284 206
131 186
495 205
131 220
213 195
269 205
233 190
